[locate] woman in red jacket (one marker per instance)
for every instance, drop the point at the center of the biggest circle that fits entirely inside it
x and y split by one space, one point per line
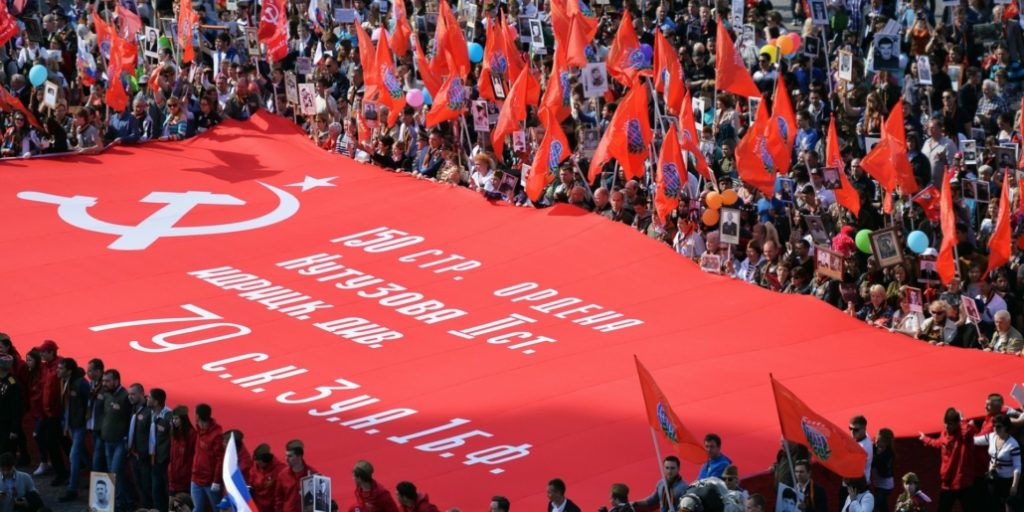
34 406
183 443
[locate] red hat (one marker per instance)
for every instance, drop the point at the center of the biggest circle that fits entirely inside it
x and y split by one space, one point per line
48 346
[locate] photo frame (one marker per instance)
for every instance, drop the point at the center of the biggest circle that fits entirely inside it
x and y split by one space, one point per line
811 46
785 188
252 40
787 499
711 263
886 247
524 29
291 87
845 66
982 192
304 65
307 99
536 33
151 43
955 73
869 143
591 139
885 53
595 80
507 186
51 93
970 152
819 15
519 141
729 226
34 29
969 189
480 121
1009 154
816 228
829 263
924 70
498 86
927 274
830 178
321 493
168 27
970 309
307 490
752 105
102 490
914 298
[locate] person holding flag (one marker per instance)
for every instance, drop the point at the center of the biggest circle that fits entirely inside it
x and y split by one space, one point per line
235 487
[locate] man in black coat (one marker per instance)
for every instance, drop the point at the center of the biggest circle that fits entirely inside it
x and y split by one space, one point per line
10 407
814 497
558 502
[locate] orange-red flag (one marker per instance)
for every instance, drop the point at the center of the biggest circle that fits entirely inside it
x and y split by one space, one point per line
756 153
668 73
831 445
846 195
430 81
945 265
782 113
451 41
573 47
888 162
366 56
557 94
187 20
104 34
928 199
130 22
8 25
450 103
999 244
1020 129
690 135
273 28
495 64
513 111
670 175
390 92
625 61
730 73
402 32
554 148
627 138
12 101
560 20
664 421
579 10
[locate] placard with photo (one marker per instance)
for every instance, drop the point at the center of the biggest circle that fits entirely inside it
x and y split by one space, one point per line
480 121
536 34
970 152
830 178
151 44
818 14
291 87
752 105
828 262
519 141
304 66
955 74
736 12
811 46
845 66
711 263
50 94
498 86
321 493
507 186
307 99
885 245
816 228
968 189
914 298
371 113
928 275
595 80
345 16
784 189
982 192
102 490
252 40
591 139
788 497
169 27
970 309
729 226
885 53
869 143
924 70
524 29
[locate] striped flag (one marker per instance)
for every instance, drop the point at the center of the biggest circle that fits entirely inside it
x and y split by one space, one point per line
234 481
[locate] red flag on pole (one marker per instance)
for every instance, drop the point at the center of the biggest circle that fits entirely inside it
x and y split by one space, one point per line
187 19
782 114
999 244
451 41
945 265
756 153
554 148
668 73
390 91
366 56
928 198
12 101
400 38
273 28
451 101
670 175
664 421
130 22
627 138
730 73
495 66
431 82
513 111
846 195
832 446
690 136
625 61
104 35
557 94
8 25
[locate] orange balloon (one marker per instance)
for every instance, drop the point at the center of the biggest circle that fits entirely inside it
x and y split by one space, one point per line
710 217
714 200
729 197
786 45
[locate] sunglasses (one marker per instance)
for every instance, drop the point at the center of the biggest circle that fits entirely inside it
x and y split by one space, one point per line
855 429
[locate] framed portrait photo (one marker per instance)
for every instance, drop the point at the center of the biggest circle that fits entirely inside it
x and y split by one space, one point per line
102 487
885 245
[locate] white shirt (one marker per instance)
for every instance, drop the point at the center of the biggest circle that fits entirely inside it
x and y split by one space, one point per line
1006 460
863 502
870 450
558 508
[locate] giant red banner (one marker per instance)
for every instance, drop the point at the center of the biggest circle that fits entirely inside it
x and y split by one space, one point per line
473 348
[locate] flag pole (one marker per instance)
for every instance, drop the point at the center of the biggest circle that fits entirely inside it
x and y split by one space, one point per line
785 443
657 452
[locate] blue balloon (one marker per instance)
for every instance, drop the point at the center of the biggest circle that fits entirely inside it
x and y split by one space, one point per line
476 52
426 97
917 241
38 74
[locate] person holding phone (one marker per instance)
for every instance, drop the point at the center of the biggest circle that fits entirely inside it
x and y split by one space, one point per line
17 491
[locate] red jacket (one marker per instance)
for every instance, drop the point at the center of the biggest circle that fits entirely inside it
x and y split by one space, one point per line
957 469
206 464
423 504
263 483
51 388
288 493
179 471
376 499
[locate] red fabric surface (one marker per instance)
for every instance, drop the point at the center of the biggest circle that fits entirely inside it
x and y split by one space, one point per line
710 342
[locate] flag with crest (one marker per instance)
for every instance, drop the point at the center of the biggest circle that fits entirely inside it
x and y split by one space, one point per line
626 61
627 138
664 422
554 148
731 73
846 195
670 175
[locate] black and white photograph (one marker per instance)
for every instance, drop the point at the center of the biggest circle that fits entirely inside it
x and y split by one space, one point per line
322 493
928 275
818 14
752 105
784 188
828 262
536 33
480 121
307 99
955 73
498 87
711 263
151 43
915 299
698 112
982 192
970 309
252 41
787 500
169 27
924 70
524 29
869 143
811 46
304 66
816 228
830 178
291 87
736 12
101 491
50 93
371 112
1005 156
595 80
507 186
493 111
885 53
970 152
846 66
591 139
729 226
308 489
518 141
885 245
969 189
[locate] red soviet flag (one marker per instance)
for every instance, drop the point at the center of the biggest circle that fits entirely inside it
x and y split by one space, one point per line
130 22
664 421
273 29
495 63
690 136
366 56
756 153
554 148
730 73
513 111
625 61
888 162
782 114
12 101
668 73
431 82
999 244
627 138
846 195
104 35
451 41
670 175
573 48
945 265
8 25
187 19
557 94
390 92
451 101
832 446
400 38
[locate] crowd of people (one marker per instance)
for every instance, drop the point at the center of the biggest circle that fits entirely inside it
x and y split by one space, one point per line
67 421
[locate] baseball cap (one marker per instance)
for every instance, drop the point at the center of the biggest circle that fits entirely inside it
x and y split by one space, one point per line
48 346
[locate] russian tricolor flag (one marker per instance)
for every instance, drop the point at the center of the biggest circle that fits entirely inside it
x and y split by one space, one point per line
234 481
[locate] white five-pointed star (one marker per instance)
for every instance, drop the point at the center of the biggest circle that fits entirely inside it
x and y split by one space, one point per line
309 183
